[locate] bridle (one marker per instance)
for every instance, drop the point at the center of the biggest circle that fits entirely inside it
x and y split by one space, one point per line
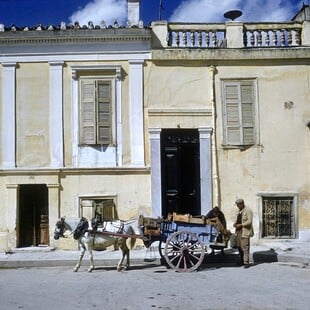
59 229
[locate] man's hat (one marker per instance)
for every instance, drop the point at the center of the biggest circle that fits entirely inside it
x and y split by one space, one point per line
239 201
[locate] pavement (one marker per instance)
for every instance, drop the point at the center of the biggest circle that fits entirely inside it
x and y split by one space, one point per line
289 252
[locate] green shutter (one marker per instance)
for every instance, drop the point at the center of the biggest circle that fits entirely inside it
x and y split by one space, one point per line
87 113
104 126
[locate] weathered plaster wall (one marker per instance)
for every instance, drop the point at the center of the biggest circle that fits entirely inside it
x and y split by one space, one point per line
32 115
1 108
132 200
178 96
280 163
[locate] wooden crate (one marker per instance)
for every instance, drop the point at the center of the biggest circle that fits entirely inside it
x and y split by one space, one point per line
149 222
149 231
197 220
181 217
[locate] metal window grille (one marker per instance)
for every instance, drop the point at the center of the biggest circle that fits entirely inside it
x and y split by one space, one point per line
278 217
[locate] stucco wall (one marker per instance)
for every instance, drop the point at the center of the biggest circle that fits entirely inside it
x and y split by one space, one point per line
280 162
179 96
32 115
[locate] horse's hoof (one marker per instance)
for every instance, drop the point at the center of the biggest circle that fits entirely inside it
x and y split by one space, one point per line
75 270
90 270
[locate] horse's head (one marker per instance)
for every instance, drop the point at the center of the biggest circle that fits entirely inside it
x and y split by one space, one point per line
81 228
59 228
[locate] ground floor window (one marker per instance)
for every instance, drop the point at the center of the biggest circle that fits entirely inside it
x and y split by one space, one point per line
104 207
278 217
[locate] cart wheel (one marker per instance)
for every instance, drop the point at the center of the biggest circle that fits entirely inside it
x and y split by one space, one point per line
184 251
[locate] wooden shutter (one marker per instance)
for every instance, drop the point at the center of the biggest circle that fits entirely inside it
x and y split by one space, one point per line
87 112
239 113
232 101
247 110
104 126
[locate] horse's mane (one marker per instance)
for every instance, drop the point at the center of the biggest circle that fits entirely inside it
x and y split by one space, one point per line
81 228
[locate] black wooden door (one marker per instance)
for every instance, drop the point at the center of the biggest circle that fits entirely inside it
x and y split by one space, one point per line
180 171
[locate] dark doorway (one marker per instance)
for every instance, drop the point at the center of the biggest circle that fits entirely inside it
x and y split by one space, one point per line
180 171
32 215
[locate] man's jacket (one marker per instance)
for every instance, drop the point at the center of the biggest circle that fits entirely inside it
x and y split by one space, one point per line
247 223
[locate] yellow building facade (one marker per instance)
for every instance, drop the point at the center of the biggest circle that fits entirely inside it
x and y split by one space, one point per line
153 120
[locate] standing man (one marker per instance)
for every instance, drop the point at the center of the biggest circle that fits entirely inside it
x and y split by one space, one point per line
244 231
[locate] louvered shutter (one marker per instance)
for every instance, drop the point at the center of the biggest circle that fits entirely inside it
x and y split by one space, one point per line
232 101
104 129
239 113
247 109
87 112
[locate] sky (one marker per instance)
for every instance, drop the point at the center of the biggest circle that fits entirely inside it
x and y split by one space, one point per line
53 12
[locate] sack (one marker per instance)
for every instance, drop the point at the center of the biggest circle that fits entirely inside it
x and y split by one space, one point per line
233 241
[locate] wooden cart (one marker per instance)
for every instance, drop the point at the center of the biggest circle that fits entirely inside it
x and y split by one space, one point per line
183 240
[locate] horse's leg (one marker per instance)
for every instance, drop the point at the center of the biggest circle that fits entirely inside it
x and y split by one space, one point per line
91 258
120 263
78 265
122 246
128 258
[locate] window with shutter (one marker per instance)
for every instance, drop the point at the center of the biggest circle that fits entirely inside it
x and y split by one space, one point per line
104 132
239 113
95 112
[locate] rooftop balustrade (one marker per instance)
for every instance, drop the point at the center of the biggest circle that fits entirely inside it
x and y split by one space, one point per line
231 35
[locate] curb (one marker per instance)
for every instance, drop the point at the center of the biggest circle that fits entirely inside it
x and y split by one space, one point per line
99 263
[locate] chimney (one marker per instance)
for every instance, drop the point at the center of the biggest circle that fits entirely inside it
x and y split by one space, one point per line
133 12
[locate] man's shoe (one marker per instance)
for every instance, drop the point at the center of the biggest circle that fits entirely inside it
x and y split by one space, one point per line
246 266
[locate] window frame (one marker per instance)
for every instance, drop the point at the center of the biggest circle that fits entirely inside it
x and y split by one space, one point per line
95 156
97 79
294 222
89 205
241 144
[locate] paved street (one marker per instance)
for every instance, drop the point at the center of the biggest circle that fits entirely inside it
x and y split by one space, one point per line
150 286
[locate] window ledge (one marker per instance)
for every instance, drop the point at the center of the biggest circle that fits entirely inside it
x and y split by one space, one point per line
234 147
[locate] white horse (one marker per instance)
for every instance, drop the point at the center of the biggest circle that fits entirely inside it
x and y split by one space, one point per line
100 238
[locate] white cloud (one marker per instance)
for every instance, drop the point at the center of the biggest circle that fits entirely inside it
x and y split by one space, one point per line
191 10
253 10
99 10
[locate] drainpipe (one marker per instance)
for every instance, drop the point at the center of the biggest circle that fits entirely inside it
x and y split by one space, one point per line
215 176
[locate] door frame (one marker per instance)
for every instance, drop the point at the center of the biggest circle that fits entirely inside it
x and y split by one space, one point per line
205 170
180 171
35 206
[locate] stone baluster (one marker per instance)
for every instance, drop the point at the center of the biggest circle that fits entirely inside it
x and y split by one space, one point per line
177 39
184 35
207 39
252 38
282 37
289 37
214 39
199 38
192 37
259 38
275 37
297 37
170 38
267 38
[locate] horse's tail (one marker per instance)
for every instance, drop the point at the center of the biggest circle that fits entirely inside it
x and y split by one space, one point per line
131 242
